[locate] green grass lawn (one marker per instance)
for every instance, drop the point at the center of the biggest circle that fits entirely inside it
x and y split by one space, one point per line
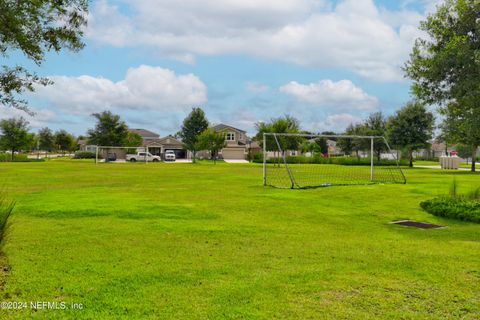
426 163
183 241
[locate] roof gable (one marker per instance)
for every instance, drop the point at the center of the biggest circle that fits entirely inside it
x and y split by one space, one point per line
169 140
144 133
221 127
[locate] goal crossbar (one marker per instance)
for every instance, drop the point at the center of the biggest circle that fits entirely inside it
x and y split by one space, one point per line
321 135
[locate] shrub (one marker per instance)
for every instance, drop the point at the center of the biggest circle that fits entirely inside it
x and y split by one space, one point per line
456 206
84 155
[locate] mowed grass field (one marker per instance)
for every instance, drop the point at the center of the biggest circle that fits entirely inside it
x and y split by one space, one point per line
204 241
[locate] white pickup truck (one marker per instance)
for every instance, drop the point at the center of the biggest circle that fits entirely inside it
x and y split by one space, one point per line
170 155
142 156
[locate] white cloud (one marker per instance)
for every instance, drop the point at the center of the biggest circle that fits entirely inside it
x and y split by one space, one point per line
144 88
336 122
256 87
41 117
116 29
341 95
354 34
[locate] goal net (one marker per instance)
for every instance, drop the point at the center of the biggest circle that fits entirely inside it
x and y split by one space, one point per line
306 161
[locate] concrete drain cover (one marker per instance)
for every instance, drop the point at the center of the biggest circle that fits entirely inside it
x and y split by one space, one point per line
416 224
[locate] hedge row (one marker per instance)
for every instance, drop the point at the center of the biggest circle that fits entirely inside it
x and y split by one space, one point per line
85 155
19 157
460 208
346 161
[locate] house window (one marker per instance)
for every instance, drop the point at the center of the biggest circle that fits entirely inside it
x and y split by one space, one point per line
294 152
230 136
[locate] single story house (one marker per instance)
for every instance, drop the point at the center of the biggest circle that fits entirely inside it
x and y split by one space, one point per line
161 145
158 146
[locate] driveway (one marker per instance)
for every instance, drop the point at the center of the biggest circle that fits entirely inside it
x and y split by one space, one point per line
235 161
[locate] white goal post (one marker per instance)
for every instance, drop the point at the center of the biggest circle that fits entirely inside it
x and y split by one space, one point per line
295 160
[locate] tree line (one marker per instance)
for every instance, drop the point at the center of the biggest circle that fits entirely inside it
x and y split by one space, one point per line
109 130
15 136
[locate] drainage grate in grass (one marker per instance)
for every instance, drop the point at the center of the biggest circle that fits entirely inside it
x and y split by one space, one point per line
416 224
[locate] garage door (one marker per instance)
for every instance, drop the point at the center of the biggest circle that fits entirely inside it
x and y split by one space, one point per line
233 154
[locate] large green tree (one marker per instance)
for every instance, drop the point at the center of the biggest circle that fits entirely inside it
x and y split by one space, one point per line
445 139
46 139
375 125
445 68
34 28
133 140
464 151
110 130
64 141
349 145
311 147
14 135
411 128
212 141
285 124
322 144
193 125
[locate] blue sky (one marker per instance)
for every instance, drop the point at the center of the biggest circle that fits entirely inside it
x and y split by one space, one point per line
328 63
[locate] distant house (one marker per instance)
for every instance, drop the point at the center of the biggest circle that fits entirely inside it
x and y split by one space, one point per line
158 146
237 142
83 145
254 148
161 145
435 149
439 149
333 149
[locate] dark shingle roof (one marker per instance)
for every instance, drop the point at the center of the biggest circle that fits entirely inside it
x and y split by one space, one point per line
144 133
221 126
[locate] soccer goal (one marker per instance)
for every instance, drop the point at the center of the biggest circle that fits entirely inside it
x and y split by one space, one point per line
308 161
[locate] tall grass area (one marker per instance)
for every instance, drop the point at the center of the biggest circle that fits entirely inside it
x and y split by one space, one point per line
6 208
204 241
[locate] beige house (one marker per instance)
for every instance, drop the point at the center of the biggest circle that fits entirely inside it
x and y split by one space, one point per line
236 143
236 148
159 146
